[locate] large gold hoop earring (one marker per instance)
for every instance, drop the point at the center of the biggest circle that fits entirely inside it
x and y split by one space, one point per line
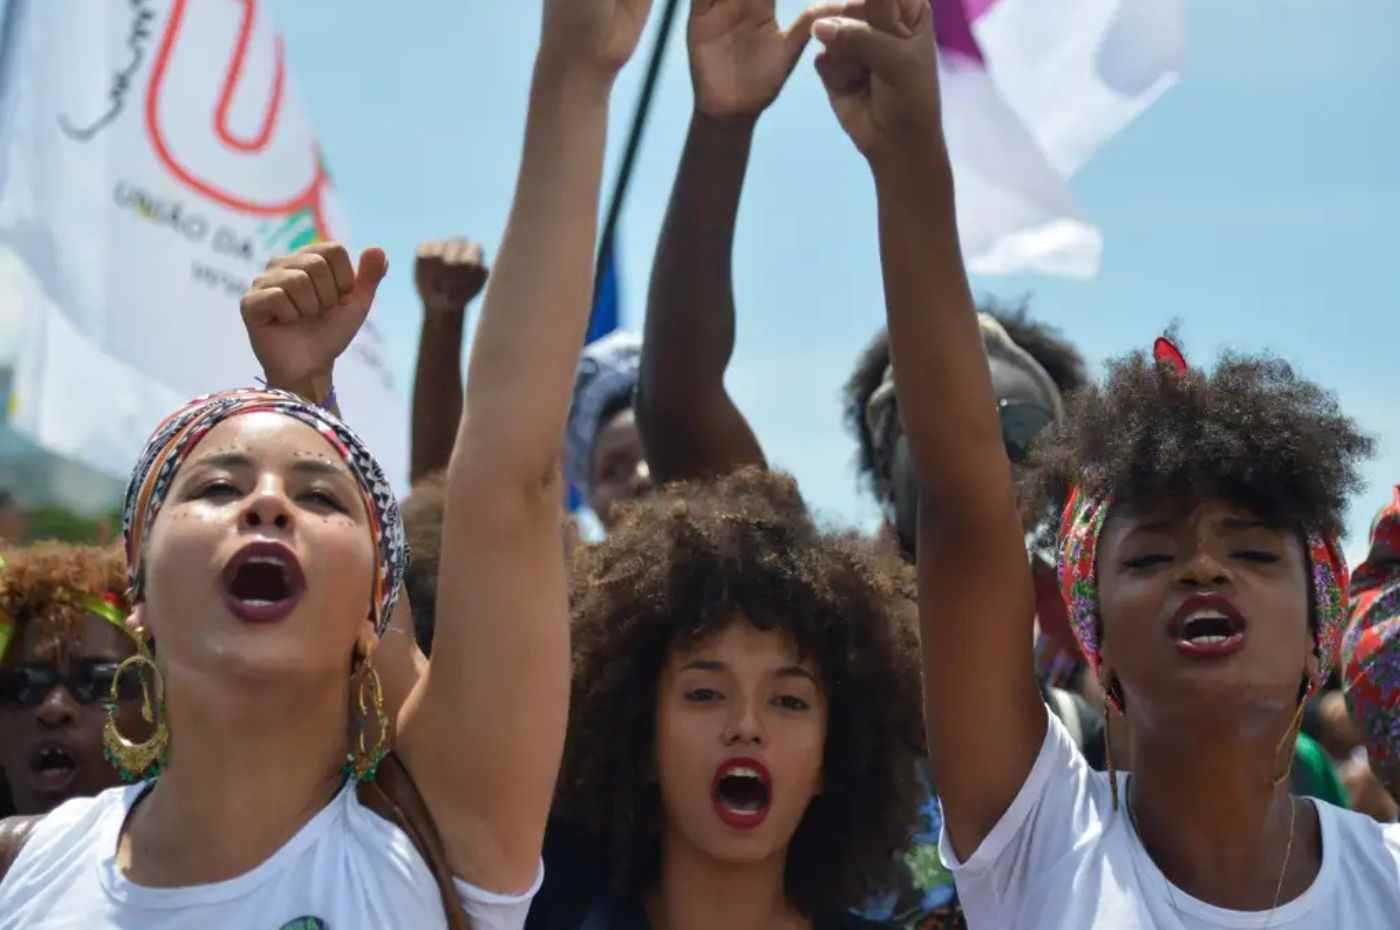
137 761
362 762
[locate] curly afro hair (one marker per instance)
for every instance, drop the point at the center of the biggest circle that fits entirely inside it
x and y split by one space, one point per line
40 582
679 568
1251 430
1060 359
422 514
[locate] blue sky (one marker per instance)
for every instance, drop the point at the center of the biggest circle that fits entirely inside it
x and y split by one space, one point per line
1256 203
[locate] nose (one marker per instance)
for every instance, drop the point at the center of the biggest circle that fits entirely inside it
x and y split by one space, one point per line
267 508
1202 568
744 725
57 709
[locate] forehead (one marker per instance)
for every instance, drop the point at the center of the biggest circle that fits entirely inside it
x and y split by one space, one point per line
1176 515
71 636
270 439
740 643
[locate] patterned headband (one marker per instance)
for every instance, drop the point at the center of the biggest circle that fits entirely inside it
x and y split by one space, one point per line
1371 647
176 438
1083 522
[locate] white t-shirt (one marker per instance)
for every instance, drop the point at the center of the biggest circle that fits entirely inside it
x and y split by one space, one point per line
348 868
1061 858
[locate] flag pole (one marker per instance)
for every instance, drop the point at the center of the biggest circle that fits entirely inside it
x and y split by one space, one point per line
634 144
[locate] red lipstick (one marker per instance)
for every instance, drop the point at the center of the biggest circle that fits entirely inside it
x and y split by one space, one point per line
742 793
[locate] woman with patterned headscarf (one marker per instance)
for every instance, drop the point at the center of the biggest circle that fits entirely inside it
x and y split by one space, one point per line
1199 563
266 552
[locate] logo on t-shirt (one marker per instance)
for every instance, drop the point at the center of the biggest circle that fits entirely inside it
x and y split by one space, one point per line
306 923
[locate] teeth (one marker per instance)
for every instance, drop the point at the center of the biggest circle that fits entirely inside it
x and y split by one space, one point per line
1205 615
1209 640
266 560
742 773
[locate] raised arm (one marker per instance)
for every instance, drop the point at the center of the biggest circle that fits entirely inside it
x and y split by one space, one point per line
484 731
448 273
739 60
984 716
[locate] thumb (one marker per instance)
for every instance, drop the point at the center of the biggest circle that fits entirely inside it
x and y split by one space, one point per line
374 265
800 32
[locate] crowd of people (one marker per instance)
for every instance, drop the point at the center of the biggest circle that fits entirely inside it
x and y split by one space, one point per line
1103 666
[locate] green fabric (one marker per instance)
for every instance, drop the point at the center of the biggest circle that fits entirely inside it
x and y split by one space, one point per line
1313 775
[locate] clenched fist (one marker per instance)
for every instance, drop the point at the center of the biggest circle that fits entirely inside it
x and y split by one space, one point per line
880 68
449 273
303 311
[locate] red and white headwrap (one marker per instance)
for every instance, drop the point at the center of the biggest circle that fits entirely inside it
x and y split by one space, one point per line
1083 522
176 438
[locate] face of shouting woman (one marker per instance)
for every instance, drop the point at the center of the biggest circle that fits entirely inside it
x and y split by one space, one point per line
259 567
1206 616
741 721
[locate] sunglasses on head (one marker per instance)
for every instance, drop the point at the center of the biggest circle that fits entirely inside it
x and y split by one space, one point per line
28 685
1021 422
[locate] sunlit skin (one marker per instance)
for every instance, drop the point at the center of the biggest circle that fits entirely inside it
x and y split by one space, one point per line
618 469
739 693
258 477
60 718
1207 735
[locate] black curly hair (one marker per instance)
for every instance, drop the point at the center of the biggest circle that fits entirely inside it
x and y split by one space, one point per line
1251 430
681 565
1060 359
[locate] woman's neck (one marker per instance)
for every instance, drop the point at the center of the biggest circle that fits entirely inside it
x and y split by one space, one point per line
248 769
699 892
1213 821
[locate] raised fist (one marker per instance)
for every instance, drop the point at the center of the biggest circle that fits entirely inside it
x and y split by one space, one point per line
449 273
880 68
303 311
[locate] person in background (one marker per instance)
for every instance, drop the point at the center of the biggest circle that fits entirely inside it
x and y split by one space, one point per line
64 615
744 722
448 274
603 455
1371 673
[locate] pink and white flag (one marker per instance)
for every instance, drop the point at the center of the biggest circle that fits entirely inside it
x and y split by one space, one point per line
153 156
1031 89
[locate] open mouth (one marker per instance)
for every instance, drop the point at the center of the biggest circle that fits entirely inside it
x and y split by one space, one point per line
742 792
1208 626
53 768
263 582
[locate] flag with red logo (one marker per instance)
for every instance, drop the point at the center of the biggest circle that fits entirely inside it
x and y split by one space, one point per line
153 156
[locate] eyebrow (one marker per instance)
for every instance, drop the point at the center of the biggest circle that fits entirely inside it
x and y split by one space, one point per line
713 665
233 460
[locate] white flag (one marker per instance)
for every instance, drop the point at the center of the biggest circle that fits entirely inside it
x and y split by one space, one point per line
1031 89
153 157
